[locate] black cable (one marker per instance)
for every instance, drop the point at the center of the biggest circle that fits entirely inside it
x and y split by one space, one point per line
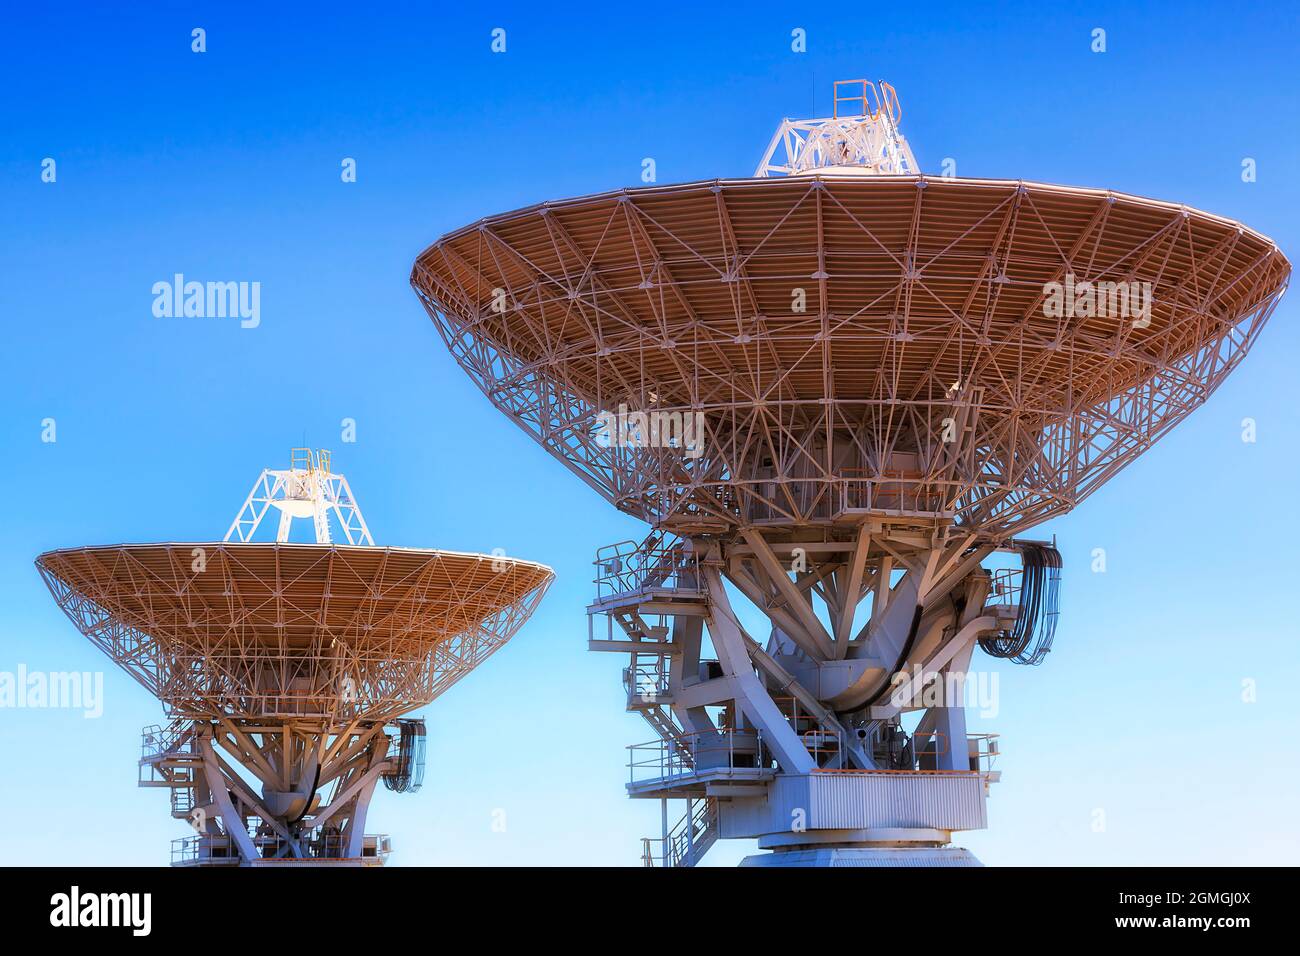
408 775
1030 638
902 658
310 797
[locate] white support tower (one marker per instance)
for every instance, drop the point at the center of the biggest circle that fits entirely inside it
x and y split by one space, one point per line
865 141
307 489
837 740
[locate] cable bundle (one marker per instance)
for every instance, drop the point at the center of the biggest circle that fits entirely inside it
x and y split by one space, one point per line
407 773
1029 641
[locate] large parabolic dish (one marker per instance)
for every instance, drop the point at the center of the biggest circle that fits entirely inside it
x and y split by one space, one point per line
271 630
836 390
288 663
825 326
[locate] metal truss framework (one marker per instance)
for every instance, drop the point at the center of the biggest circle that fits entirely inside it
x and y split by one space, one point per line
886 393
872 345
259 794
308 489
867 142
276 631
290 658
898 577
863 628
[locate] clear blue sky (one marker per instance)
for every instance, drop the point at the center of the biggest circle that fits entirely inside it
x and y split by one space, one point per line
225 165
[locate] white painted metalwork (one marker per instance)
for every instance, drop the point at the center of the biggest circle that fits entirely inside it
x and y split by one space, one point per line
307 489
817 709
885 399
282 666
865 142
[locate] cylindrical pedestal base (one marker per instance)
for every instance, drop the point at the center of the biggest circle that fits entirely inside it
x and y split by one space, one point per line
865 856
875 846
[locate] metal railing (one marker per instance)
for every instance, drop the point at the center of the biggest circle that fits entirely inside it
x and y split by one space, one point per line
167 756
220 850
647 681
694 752
182 795
658 562
906 494
204 849
158 741
691 832
819 740
984 753
623 624
1005 587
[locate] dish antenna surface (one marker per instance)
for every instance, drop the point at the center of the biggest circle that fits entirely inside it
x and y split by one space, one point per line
286 669
838 391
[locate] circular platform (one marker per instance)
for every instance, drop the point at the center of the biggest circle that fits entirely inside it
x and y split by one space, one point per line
875 857
891 345
285 631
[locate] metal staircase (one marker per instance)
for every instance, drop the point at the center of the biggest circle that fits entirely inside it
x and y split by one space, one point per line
644 591
640 586
646 683
169 759
688 841
629 572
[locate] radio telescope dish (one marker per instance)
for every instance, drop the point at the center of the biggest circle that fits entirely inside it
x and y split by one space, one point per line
289 661
837 389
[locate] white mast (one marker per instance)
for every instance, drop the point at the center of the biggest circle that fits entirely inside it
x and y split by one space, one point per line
308 489
861 142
